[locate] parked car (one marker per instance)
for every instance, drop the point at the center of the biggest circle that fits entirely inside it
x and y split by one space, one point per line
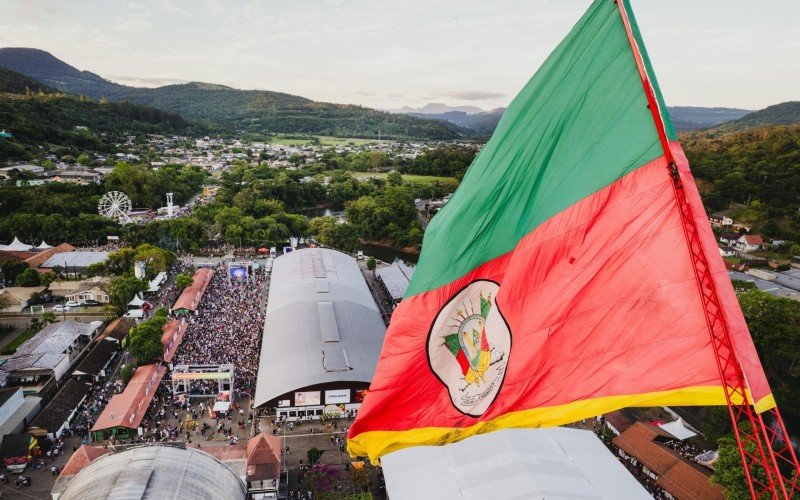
61 308
72 303
91 303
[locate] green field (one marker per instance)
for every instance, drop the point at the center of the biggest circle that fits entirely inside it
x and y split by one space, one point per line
417 179
23 336
323 140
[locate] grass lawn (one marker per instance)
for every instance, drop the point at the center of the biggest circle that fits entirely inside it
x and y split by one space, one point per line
323 139
11 348
417 179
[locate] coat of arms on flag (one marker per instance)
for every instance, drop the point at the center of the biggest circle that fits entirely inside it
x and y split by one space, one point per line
468 347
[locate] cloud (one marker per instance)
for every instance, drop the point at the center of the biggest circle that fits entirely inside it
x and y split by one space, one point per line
137 81
472 95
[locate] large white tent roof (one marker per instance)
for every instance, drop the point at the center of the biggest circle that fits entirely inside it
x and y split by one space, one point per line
322 324
553 463
18 246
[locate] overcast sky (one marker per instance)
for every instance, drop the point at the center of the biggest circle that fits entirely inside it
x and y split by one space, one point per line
386 54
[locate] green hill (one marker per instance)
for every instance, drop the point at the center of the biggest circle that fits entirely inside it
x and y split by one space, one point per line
785 113
761 165
257 111
37 119
17 83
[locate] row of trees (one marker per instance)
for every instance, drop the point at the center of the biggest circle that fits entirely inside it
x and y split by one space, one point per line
774 324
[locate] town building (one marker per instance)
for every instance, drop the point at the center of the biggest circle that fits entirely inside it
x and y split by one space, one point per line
124 412
749 242
51 422
646 448
322 336
74 263
394 280
43 360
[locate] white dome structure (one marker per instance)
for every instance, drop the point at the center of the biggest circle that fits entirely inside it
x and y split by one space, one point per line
155 472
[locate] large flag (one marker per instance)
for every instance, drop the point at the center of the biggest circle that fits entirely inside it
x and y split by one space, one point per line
557 284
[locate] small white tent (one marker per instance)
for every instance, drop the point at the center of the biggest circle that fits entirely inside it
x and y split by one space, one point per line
44 246
678 429
136 301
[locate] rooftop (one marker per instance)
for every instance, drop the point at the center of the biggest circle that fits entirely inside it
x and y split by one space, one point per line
155 472
396 278
322 324
556 462
639 441
46 349
97 359
191 295
127 409
79 259
53 416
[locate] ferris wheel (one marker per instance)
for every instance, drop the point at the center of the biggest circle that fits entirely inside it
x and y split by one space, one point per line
115 205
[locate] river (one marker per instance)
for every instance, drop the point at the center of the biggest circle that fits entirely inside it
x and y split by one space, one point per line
386 254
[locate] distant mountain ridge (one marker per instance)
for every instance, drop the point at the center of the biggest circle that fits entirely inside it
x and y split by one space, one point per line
696 118
436 108
256 111
785 113
484 122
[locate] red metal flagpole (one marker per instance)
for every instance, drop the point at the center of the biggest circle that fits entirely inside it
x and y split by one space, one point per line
757 445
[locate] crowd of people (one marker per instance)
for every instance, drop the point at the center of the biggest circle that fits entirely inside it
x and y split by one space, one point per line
227 327
92 406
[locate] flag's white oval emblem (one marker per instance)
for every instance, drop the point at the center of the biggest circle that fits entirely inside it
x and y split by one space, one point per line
468 347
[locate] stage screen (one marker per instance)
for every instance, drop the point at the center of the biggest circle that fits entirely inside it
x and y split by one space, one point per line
239 273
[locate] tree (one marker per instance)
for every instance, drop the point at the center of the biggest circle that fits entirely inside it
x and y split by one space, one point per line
122 290
372 264
361 476
774 324
394 178
345 237
121 261
715 423
156 259
322 479
84 159
49 317
13 268
127 372
313 455
184 280
97 269
728 470
29 277
145 339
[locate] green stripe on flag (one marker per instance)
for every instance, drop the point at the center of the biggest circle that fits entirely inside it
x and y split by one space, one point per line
577 126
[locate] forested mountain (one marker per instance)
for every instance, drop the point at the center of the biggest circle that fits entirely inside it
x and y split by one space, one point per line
17 83
39 118
484 123
760 166
257 111
785 113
